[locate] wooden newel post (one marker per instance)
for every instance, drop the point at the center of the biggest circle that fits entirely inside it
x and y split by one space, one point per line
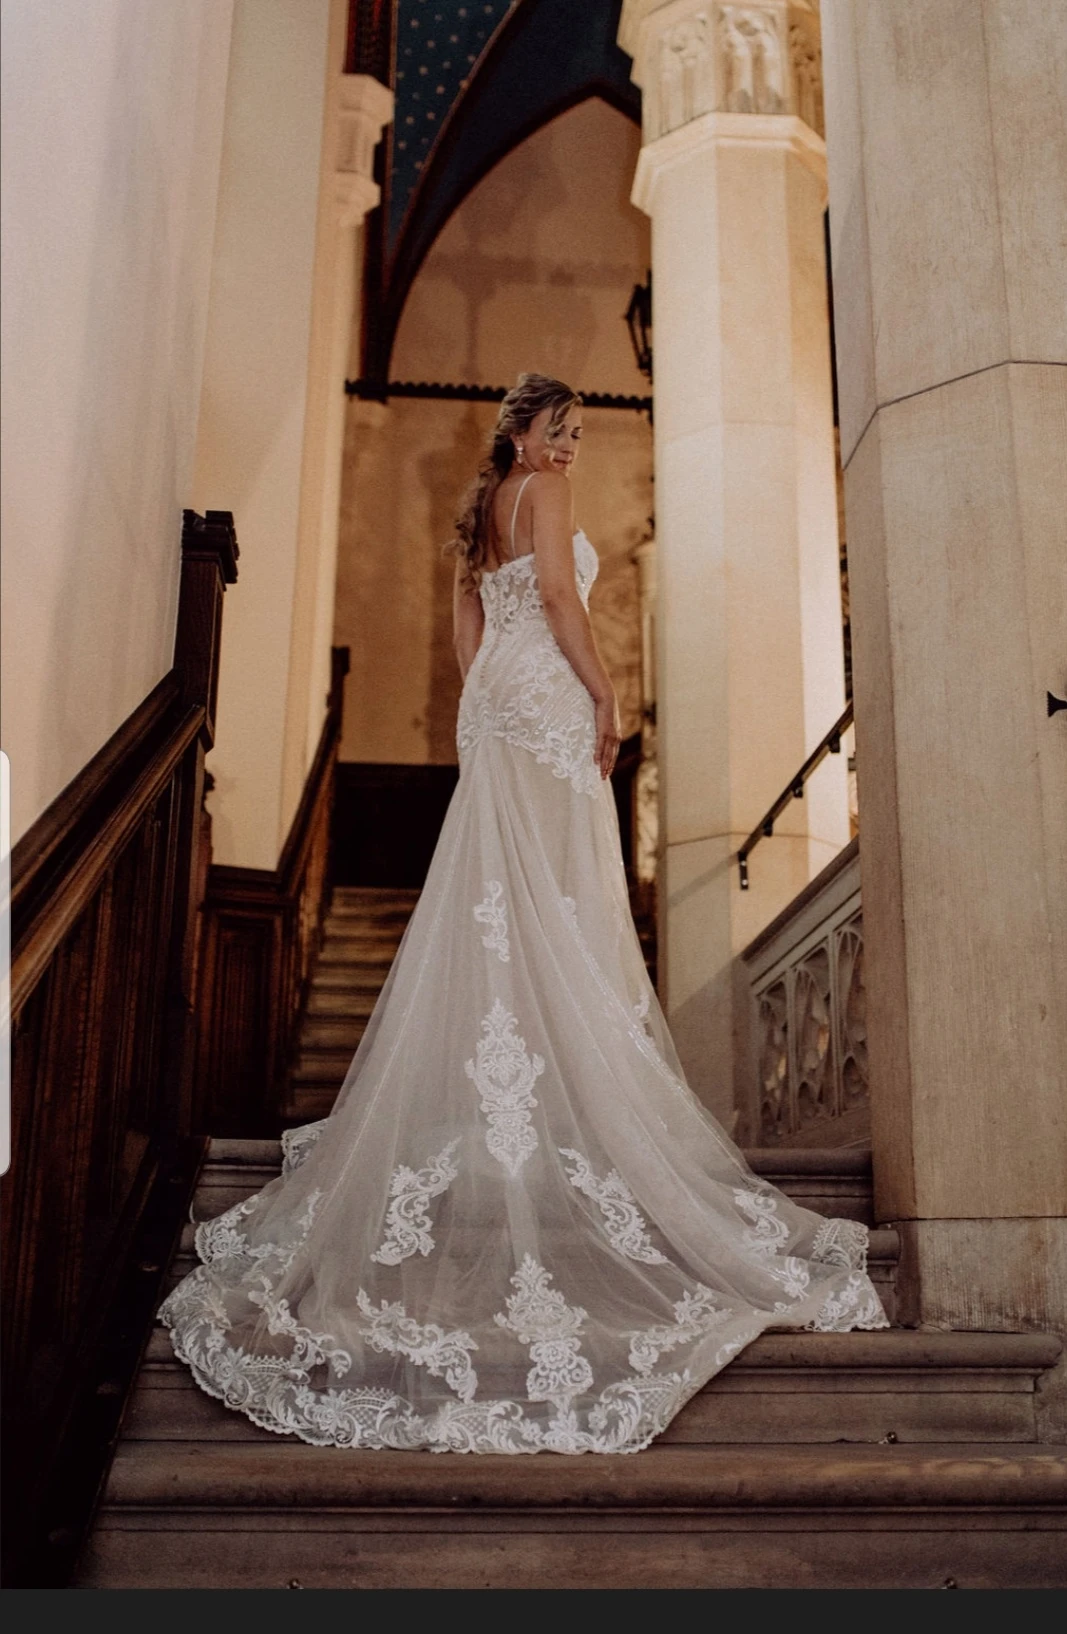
209 563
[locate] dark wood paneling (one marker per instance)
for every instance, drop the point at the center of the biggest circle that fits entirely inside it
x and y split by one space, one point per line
104 910
386 822
260 933
387 818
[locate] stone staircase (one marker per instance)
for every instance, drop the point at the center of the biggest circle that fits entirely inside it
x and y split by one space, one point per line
890 1459
360 937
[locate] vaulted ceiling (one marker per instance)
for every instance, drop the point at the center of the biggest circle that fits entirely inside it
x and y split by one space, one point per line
472 79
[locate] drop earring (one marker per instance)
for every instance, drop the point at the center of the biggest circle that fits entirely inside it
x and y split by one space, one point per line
521 453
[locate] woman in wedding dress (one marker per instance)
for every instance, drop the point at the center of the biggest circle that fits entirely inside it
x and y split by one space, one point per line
518 1230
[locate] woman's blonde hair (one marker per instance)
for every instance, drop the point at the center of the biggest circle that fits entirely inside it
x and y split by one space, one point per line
531 394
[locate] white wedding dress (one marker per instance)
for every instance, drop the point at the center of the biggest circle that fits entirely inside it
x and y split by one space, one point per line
518 1230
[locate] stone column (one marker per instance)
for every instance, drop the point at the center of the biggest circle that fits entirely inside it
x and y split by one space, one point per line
646 794
949 215
295 182
358 109
750 660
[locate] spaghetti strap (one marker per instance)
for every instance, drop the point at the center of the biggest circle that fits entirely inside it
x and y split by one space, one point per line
515 512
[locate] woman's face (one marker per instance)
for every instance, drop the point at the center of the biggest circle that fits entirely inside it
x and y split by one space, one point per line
551 447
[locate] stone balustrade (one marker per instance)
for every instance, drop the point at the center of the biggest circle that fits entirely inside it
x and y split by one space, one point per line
807 1083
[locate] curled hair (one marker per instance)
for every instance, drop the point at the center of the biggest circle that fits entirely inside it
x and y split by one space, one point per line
531 394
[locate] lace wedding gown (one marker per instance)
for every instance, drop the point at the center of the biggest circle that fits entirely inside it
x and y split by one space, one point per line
518 1230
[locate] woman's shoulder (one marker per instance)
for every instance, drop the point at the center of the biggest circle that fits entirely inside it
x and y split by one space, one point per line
551 489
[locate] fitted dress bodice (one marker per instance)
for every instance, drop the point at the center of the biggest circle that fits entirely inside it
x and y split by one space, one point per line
521 686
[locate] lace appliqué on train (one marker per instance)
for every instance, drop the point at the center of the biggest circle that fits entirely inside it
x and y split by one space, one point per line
540 1318
504 1076
407 1223
298 1144
623 1222
444 1355
493 912
842 1242
694 1316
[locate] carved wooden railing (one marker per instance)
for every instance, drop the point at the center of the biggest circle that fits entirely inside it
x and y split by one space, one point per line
104 898
808 1079
262 929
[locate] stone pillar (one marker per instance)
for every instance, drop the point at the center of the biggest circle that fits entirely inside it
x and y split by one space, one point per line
646 793
949 216
358 109
750 661
295 181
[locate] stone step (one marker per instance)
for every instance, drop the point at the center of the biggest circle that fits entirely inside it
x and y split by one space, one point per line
842 1188
333 1032
347 976
322 1067
882 1261
270 1514
793 1389
357 945
883 1252
383 928
380 949
366 898
307 1102
830 1181
352 999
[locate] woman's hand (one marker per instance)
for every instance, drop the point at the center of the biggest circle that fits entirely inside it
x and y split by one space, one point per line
608 734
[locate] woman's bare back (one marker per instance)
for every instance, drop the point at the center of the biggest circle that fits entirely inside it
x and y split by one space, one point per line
510 521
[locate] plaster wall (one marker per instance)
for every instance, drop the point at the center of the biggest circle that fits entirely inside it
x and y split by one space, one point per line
112 132
254 406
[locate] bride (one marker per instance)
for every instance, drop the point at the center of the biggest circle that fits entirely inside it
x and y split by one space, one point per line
518 1230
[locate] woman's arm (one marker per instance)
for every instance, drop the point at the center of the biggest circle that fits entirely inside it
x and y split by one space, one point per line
553 536
468 620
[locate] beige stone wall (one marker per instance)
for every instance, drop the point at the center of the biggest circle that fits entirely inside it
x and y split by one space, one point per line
112 129
534 270
255 407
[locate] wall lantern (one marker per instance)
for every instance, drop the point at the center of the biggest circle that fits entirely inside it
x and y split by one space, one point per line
639 323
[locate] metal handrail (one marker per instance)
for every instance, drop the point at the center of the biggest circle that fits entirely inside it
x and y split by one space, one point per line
794 790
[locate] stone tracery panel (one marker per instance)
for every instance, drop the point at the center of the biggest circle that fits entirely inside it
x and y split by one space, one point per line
773 1026
811 1079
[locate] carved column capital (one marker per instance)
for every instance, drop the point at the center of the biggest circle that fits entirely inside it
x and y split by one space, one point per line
696 57
364 108
718 130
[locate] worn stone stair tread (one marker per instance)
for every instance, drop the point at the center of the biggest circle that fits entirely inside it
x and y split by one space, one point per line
255 1152
321 1066
306 1103
331 1032
341 1001
884 1246
371 896
836 1161
367 944
893 1349
801 1162
345 963
280 1475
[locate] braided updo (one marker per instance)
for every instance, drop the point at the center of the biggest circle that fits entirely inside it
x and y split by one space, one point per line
531 394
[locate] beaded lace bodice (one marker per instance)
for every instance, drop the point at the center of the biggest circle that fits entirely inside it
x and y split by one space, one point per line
511 593
520 686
